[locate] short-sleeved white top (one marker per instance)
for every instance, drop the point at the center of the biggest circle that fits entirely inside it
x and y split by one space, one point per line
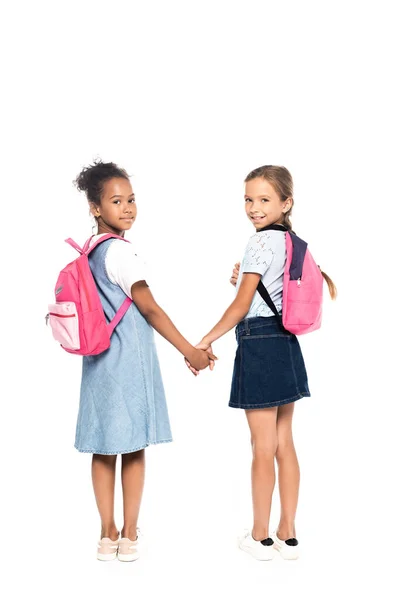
123 266
265 254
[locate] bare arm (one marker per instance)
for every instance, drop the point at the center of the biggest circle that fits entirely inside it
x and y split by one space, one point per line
233 280
236 311
154 314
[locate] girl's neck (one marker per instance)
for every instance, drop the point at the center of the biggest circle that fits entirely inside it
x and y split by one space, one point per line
102 229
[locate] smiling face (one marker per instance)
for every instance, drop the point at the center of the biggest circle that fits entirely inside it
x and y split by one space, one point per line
263 204
117 210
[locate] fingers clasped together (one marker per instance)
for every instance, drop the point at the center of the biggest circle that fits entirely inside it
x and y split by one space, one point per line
202 358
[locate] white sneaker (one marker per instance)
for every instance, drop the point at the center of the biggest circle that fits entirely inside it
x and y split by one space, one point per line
129 550
107 549
263 550
288 549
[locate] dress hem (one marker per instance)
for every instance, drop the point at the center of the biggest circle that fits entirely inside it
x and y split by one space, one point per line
93 451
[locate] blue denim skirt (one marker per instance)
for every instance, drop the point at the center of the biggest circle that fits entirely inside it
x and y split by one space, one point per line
269 368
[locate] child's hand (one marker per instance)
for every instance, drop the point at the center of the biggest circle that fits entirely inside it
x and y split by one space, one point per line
189 366
199 359
235 274
201 353
204 345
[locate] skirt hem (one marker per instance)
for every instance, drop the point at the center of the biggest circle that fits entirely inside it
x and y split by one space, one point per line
271 404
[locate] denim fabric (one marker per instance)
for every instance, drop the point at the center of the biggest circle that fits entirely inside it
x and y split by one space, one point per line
269 368
122 402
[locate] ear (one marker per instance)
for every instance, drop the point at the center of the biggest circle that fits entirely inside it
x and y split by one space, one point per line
94 209
287 205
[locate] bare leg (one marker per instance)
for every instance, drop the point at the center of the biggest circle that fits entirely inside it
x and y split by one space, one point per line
103 477
262 423
288 472
133 467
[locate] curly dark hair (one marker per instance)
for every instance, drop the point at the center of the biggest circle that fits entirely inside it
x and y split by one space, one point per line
91 179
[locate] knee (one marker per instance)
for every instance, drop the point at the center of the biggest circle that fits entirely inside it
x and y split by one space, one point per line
105 457
130 457
284 447
108 460
264 449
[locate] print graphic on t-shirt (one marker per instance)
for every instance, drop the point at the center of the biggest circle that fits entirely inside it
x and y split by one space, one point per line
265 254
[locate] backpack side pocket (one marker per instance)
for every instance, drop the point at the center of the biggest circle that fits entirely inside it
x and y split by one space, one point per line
64 323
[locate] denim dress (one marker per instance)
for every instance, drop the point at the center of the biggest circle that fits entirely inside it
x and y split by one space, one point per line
122 401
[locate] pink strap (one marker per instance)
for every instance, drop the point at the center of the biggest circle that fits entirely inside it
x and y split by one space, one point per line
128 301
87 244
119 314
74 245
86 248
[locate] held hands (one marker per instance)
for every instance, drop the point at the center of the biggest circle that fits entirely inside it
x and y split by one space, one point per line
235 274
201 358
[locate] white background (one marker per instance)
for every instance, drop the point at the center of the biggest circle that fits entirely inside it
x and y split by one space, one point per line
189 97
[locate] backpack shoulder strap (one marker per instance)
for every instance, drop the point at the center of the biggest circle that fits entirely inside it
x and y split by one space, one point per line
274 226
119 314
71 242
262 290
87 248
298 254
128 301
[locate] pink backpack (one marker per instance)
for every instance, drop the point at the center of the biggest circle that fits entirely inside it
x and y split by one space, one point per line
77 318
302 287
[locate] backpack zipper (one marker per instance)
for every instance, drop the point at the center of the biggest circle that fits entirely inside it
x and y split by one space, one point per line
47 317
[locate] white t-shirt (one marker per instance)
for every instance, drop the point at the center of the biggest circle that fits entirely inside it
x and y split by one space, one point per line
265 254
123 265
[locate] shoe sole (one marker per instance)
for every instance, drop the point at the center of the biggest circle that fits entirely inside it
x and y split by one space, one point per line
128 557
264 558
106 557
284 555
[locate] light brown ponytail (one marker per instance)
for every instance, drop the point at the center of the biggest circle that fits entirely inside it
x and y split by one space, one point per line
331 285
